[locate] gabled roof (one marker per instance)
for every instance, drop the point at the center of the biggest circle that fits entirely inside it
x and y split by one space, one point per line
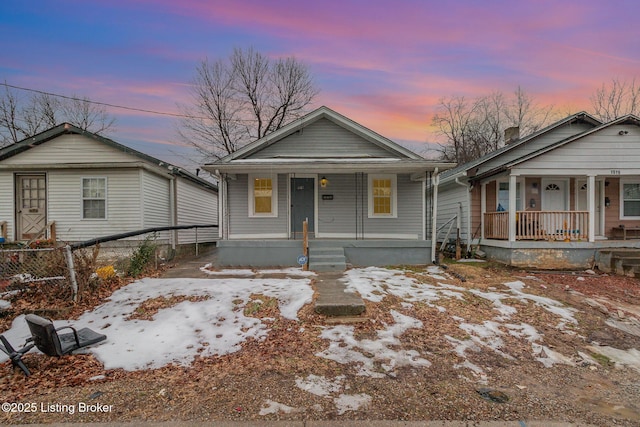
399 159
320 113
628 119
462 169
67 129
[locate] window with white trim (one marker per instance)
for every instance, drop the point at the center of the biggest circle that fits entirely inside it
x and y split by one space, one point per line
94 198
503 196
630 196
383 196
263 196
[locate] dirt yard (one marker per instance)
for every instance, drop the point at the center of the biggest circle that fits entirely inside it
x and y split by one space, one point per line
464 375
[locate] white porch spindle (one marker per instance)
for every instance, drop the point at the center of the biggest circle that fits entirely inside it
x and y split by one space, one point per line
512 208
591 206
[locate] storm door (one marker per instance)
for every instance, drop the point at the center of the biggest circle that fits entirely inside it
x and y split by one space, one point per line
31 205
302 205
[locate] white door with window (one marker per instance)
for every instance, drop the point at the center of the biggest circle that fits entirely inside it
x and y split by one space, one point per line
554 195
31 205
554 198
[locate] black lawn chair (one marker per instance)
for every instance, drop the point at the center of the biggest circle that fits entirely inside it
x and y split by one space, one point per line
46 338
16 355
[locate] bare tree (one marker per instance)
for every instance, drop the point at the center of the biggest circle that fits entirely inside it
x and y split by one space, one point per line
474 128
243 98
616 99
24 117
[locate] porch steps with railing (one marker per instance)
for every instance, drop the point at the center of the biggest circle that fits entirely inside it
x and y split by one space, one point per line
624 262
323 258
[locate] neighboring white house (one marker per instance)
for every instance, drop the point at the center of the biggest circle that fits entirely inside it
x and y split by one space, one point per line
363 195
81 186
551 199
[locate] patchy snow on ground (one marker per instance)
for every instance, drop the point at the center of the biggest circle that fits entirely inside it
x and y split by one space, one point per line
271 407
622 358
214 326
374 283
351 402
320 386
344 348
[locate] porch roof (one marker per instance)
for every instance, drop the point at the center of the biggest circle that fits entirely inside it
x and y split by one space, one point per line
329 165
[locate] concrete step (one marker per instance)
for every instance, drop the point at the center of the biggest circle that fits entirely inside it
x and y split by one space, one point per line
327 266
327 259
621 261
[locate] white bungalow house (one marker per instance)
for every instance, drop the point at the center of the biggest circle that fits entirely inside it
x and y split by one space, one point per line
364 197
73 185
552 199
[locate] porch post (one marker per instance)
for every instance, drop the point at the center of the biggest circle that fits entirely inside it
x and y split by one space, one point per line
483 207
591 206
512 208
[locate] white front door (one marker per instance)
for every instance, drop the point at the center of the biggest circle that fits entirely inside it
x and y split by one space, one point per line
554 195
581 202
31 206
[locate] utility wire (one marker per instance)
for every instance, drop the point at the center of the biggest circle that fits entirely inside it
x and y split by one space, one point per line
101 103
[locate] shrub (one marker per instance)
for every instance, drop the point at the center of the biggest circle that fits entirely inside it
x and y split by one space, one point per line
142 257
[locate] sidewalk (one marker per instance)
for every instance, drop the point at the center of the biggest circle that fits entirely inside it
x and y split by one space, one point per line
345 423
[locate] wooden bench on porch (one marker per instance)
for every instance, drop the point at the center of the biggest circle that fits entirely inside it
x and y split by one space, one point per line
624 231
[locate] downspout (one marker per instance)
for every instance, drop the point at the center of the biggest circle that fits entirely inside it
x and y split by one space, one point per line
173 214
468 215
435 180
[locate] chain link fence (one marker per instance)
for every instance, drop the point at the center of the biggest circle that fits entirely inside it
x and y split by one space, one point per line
80 265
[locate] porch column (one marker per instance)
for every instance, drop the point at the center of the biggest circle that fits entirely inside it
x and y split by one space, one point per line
512 208
591 206
483 207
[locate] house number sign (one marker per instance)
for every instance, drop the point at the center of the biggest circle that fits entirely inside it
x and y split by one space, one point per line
615 171
327 197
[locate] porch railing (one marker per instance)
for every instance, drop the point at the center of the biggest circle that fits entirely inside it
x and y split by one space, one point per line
538 225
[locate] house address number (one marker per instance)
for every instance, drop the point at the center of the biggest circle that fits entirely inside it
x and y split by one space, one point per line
615 171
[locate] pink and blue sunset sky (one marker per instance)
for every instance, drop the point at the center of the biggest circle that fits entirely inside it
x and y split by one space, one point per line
384 64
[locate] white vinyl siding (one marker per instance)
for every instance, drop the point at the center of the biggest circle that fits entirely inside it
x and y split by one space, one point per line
70 149
94 197
7 202
452 201
545 140
196 205
603 153
156 208
65 205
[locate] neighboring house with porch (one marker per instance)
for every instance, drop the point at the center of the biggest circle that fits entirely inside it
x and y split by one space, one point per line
72 185
552 199
364 197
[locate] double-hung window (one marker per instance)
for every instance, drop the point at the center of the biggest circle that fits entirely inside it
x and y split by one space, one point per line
630 195
263 196
94 198
383 196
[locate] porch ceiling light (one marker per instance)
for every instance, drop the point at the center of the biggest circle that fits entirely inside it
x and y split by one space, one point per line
323 182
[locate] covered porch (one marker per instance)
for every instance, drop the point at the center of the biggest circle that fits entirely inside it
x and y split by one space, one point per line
547 208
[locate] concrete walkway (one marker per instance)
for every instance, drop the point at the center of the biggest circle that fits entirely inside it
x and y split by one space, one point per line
332 299
331 423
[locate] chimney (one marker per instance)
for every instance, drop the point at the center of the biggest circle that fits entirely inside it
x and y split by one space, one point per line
511 134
